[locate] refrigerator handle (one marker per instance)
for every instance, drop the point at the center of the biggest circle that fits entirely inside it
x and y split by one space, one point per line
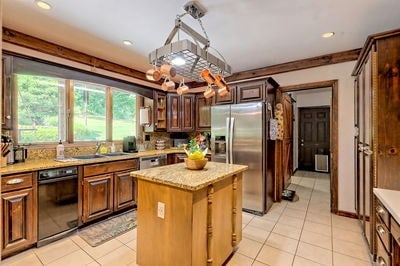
231 140
227 141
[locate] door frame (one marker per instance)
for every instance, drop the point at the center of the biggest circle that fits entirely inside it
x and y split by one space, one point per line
334 132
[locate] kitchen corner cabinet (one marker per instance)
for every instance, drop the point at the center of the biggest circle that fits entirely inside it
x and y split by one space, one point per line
377 112
159 111
107 187
180 115
203 113
19 212
6 121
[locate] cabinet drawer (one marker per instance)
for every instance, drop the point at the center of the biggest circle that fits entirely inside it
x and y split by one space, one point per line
103 168
14 182
382 257
383 232
382 213
395 230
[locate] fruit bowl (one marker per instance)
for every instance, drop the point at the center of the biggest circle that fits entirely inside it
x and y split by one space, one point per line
195 164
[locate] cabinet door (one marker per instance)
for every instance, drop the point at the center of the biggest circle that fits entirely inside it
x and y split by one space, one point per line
159 111
187 114
6 93
203 113
250 91
124 190
174 113
97 197
19 220
230 98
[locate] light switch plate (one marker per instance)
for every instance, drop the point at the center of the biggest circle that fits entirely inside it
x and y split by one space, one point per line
160 210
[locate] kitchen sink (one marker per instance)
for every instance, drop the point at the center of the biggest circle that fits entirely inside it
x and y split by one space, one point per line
89 156
116 154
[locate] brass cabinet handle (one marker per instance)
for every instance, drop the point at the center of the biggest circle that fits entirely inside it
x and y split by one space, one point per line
380 230
380 210
15 181
381 261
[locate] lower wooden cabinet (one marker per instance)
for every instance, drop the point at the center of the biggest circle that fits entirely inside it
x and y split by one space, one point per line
107 188
19 213
97 197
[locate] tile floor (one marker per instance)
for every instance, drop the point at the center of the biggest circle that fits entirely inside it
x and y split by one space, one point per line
291 233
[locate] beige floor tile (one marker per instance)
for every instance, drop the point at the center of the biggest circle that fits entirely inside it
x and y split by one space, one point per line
132 245
255 233
346 235
257 263
319 218
121 256
300 214
76 258
128 236
131 264
94 263
240 260
295 222
99 251
346 223
271 216
278 207
56 250
316 239
282 243
314 253
299 261
340 259
249 248
351 249
302 204
263 224
322 229
246 217
273 256
287 230
25 258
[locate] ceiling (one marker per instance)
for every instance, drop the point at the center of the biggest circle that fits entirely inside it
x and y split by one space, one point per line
249 34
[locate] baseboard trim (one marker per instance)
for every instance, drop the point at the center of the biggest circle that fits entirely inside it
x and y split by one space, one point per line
347 214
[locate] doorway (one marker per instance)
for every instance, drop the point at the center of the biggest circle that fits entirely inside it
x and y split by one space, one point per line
313 137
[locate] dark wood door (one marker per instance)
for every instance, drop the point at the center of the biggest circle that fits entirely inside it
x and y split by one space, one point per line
313 135
174 113
187 115
203 112
18 220
287 143
124 190
97 197
160 111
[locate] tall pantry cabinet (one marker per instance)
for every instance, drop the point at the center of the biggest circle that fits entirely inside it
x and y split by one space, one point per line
377 123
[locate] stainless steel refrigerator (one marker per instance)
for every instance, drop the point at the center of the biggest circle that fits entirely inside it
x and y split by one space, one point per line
239 136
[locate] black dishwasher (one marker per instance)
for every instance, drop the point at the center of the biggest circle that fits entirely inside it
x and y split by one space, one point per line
57 203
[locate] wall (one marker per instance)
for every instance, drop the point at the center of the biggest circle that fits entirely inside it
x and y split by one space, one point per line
307 98
341 72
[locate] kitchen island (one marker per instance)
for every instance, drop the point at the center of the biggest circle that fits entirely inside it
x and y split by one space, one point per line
188 217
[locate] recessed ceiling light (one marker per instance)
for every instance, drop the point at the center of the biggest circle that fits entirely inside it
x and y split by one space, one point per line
327 34
178 61
127 42
43 4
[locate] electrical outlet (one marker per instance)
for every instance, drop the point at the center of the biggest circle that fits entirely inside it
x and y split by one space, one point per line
161 210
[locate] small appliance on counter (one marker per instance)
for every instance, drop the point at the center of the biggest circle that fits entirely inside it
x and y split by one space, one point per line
20 154
129 144
178 142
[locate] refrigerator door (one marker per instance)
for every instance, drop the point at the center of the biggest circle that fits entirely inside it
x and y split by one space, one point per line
220 119
248 143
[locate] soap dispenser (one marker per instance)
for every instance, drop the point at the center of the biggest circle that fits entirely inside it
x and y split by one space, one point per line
60 151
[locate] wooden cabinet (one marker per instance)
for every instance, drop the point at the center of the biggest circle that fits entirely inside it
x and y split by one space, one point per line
108 187
6 121
203 113
377 112
251 91
19 213
159 111
229 98
180 115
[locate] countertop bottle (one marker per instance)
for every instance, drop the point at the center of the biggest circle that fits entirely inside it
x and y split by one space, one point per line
112 148
60 151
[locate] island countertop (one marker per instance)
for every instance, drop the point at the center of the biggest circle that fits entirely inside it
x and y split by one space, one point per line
177 175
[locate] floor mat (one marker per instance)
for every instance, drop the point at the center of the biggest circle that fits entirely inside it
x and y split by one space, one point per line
103 231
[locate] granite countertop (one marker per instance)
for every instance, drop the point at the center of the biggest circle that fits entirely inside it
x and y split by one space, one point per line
390 199
177 175
34 165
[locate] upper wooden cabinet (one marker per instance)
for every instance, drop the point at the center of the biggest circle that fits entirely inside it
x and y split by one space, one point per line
6 121
203 113
180 115
159 111
230 98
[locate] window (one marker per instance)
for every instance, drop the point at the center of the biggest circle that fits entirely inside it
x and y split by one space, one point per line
124 114
89 112
41 109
